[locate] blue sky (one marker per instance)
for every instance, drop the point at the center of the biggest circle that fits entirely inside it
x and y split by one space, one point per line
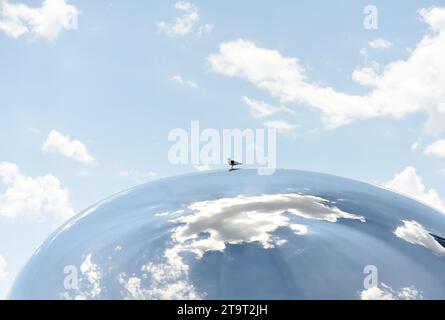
85 111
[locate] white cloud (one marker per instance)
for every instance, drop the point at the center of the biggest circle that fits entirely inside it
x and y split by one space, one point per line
183 24
366 76
70 148
261 109
281 126
409 183
35 198
133 288
89 284
186 23
46 22
214 224
387 293
138 175
92 275
414 233
380 44
168 281
415 146
184 82
179 290
300 229
205 29
436 149
396 94
435 17
250 219
3 266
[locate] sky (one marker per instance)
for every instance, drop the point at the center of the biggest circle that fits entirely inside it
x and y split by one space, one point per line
89 92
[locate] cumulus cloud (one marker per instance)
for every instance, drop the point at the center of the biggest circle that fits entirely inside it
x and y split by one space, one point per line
435 17
3 266
250 219
205 29
168 280
380 44
35 198
92 275
367 76
179 290
299 229
89 284
184 82
46 22
387 293
395 94
67 147
186 23
414 233
436 149
261 109
214 224
409 183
